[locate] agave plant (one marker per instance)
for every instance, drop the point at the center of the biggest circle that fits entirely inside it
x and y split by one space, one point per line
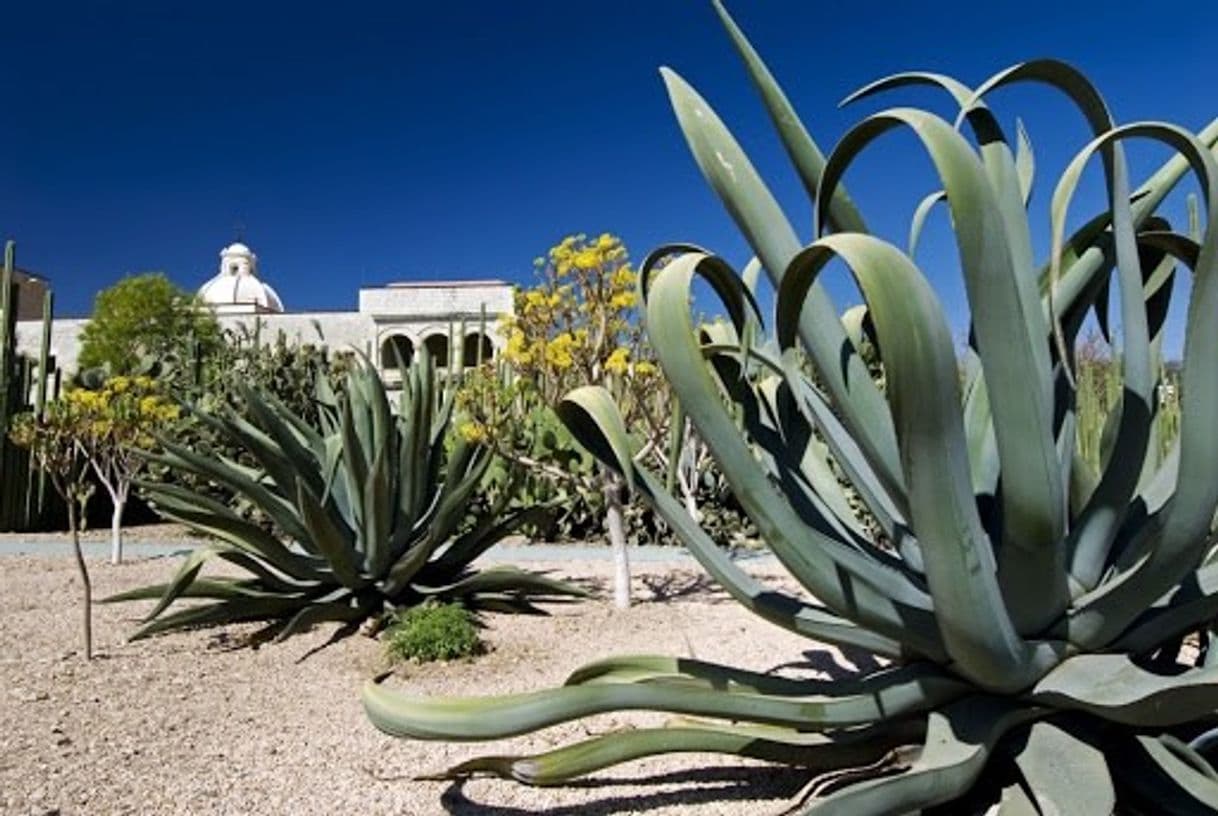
369 509
1035 615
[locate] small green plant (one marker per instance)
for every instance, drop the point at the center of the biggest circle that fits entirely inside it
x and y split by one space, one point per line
433 631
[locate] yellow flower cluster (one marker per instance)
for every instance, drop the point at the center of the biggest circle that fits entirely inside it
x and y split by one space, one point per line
517 350
579 318
473 432
618 362
559 351
576 253
123 410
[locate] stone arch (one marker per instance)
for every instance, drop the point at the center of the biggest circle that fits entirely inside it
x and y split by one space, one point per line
477 347
393 347
437 346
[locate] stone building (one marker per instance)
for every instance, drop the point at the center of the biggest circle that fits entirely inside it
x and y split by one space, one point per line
405 316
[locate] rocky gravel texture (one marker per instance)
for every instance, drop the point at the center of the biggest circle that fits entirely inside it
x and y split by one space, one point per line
201 723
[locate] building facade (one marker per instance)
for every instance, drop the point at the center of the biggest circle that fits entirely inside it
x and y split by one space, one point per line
453 320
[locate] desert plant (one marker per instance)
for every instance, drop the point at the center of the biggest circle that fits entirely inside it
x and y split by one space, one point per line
369 503
115 427
23 493
54 438
246 359
574 327
1038 635
431 632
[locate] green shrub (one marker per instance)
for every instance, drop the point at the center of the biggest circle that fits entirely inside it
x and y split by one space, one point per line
433 632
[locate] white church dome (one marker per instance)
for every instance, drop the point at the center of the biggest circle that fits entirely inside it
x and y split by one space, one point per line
236 287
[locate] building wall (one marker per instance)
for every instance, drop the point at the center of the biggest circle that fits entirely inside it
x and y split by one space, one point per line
415 312
65 340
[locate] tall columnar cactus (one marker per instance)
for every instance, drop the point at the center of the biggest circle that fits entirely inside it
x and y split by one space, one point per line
1047 624
23 488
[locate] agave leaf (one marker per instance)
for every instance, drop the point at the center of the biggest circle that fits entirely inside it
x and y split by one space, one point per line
466 468
1064 773
214 588
816 410
329 540
822 752
1104 512
225 612
808 159
275 506
805 455
752 206
1025 161
1180 537
880 597
353 463
923 388
784 610
959 740
291 450
1113 687
693 673
211 518
921 213
484 718
1010 330
345 611
1183 610
505 580
377 512
779 455
305 432
591 415
1165 781
487 533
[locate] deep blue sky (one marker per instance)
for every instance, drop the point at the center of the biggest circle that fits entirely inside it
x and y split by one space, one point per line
371 142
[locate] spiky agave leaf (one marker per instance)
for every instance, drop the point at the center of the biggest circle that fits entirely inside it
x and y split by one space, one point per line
369 508
1033 605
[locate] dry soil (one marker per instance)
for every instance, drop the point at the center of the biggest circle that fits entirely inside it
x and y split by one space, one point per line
199 723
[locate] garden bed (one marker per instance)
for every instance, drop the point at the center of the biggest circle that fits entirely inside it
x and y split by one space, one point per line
192 723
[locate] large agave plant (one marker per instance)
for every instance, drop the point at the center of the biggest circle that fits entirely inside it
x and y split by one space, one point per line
1037 616
370 511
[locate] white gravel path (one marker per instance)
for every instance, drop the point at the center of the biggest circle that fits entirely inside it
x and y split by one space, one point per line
189 724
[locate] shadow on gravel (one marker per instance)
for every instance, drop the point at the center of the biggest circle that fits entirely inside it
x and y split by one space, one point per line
673 585
706 785
841 663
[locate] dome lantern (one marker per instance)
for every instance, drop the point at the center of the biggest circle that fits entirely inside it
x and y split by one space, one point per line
236 287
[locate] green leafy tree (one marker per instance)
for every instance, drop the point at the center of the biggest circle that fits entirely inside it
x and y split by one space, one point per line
145 316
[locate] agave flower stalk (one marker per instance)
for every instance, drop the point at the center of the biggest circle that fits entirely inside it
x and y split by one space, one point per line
1032 605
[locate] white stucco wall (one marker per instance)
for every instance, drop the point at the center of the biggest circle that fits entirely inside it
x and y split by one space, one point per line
414 311
65 340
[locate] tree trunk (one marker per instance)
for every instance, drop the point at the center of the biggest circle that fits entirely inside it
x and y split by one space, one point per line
84 578
616 528
116 528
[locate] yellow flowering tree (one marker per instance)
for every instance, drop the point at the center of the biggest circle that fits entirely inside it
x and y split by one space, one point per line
116 425
575 327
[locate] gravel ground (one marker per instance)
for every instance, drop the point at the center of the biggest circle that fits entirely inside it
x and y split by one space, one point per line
192 723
